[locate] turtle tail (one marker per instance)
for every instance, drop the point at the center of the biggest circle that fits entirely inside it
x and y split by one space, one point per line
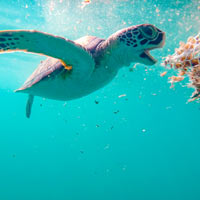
29 105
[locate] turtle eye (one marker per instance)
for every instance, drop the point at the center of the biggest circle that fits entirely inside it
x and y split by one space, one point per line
148 31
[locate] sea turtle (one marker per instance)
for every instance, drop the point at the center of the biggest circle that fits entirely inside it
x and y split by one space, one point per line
77 68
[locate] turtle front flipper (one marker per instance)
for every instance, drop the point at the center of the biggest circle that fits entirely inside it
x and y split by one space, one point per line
72 54
29 105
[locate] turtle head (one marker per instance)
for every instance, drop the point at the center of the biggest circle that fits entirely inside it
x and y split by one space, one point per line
134 43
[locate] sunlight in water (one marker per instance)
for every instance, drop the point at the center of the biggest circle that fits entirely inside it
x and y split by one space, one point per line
134 139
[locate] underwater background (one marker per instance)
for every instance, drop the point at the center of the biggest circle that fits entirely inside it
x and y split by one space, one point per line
135 139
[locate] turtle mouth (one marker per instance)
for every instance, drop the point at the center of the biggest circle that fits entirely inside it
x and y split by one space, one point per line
146 54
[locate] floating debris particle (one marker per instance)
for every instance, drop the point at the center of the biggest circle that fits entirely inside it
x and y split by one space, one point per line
176 78
115 112
96 102
143 130
52 6
157 10
122 95
163 74
85 3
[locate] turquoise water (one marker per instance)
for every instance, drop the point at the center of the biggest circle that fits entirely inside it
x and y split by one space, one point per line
142 146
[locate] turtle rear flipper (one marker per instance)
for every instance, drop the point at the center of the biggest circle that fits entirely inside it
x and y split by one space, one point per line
29 105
